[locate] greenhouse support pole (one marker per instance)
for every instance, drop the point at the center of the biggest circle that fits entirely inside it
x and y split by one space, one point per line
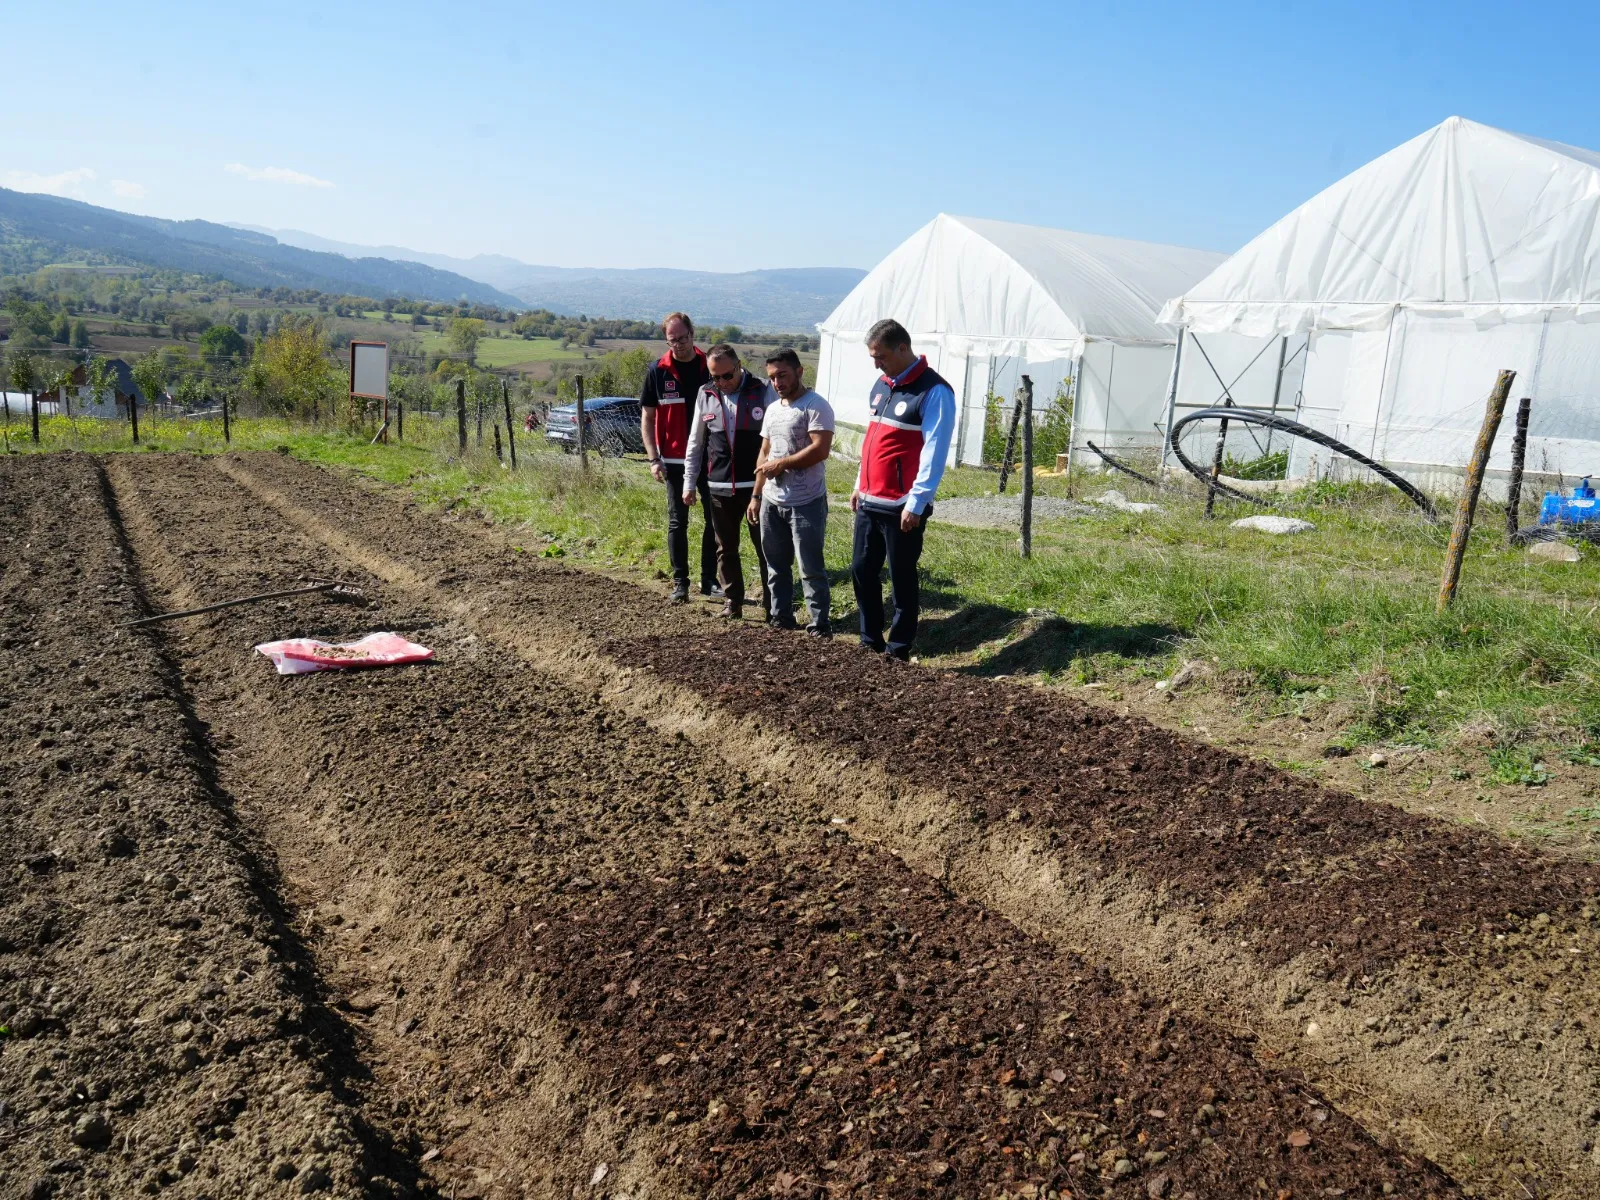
1172 403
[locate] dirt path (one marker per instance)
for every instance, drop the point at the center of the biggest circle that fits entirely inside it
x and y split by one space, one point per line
609 901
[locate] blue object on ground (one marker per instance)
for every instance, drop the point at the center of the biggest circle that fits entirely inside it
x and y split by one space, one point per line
1577 508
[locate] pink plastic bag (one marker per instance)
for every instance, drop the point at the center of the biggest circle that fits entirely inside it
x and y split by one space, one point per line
296 656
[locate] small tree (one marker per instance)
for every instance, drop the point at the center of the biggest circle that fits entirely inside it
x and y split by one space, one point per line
463 338
223 343
63 330
80 334
150 373
99 378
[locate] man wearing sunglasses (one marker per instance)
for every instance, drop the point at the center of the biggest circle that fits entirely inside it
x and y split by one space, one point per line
670 386
725 439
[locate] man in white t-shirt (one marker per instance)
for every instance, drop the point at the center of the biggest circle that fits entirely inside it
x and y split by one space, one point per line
791 496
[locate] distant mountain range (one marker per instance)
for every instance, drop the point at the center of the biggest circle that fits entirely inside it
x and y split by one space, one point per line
787 299
36 230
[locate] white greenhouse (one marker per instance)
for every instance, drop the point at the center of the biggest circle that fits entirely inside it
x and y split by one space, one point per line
990 301
1395 296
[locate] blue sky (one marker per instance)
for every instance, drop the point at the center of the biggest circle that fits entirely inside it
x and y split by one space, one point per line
735 136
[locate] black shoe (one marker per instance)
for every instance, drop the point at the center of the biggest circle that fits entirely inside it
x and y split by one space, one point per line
711 589
732 610
900 655
877 648
820 631
680 593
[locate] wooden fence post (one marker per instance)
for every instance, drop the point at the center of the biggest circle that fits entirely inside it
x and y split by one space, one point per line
400 420
133 415
497 456
461 414
583 443
1470 487
1011 445
480 420
1216 458
1027 467
227 426
1519 452
511 433
35 418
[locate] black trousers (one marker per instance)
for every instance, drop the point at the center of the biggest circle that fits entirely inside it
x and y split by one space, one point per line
678 530
879 539
729 514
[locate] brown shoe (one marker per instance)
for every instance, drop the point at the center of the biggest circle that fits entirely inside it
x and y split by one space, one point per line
733 610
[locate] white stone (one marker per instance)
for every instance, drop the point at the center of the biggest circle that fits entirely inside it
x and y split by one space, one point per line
1115 499
1554 552
1269 524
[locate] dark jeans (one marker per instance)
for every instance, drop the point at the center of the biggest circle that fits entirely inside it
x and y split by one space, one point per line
787 532
678 530
878 538
728 515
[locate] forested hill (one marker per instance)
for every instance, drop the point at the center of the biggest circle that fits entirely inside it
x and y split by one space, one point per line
788 298
38 230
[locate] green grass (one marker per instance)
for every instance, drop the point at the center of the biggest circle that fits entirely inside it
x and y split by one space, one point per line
1338 622
509 351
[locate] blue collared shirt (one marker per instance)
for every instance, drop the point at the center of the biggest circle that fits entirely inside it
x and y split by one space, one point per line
938 427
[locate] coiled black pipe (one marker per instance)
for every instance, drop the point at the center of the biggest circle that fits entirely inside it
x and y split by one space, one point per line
1284 425
1118 465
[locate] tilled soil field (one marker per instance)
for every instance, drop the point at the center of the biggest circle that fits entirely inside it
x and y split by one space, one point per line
613 900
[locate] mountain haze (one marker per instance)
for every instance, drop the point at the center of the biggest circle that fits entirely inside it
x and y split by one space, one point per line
793 298
37 230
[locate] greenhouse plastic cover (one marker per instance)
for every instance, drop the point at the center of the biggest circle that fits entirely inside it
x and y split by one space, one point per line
1463 221
1020 289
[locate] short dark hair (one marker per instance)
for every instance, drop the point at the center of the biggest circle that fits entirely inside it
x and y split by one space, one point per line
889 334
677 316
786 357
722 350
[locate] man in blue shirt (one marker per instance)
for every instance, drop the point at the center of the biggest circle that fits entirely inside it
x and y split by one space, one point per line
902 460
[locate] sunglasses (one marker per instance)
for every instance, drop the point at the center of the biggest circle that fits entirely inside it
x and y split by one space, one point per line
725 377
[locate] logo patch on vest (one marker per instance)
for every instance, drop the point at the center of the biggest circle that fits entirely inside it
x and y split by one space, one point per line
669 385
755 413
900 409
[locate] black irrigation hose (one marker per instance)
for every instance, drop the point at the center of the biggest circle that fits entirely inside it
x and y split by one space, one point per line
1559 532
1115 465
1284 425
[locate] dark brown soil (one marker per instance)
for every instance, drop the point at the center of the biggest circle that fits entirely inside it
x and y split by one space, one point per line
829 1022
495 788
1501 1093
1362 884
157 1021
523 928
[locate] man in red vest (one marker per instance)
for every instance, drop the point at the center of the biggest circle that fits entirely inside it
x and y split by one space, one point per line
671 384
902 460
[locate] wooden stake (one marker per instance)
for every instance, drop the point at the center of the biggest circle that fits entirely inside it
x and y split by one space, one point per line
35 418
133 415
1470 487
1519 452
461 414
1216 458
1011 446
511 433
480 420
583 445
1027 467
400 420
227 427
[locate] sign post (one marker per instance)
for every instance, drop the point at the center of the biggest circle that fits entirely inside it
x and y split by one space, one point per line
369 377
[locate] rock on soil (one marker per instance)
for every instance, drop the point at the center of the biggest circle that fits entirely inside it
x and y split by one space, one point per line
1267 523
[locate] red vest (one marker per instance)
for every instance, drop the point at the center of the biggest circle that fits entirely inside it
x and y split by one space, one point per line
892 450
674 386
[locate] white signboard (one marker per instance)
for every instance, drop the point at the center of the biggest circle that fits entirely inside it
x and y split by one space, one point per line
369 370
